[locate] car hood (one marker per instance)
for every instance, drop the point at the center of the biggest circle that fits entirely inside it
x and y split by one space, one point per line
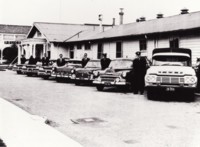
87 69
115 72
171 70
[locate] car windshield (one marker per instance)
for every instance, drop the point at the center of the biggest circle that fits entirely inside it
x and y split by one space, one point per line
171 61
93 64
120 64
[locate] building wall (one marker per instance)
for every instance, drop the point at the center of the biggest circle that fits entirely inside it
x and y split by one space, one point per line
192 42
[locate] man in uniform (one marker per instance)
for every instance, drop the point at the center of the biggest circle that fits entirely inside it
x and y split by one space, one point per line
45 60
105 62
138 73
85 60
23 59
60 61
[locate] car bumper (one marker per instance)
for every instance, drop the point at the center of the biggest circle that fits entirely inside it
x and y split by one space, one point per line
120 83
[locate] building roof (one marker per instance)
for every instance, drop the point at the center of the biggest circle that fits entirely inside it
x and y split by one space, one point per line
167 24
59 32
14 29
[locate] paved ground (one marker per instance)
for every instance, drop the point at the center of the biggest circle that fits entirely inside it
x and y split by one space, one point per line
122 119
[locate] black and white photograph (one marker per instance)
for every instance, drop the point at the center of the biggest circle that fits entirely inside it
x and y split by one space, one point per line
99 73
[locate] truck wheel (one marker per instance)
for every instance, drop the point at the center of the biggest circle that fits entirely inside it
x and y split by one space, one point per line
100 87
151 95
189 96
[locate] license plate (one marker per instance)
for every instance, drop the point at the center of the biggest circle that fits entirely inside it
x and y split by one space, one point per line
170 89
107 83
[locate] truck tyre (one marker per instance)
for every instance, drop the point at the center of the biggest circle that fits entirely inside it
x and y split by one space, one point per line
151 94
100 87
189 96
45 77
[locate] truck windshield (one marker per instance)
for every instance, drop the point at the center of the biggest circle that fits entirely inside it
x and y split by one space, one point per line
171 61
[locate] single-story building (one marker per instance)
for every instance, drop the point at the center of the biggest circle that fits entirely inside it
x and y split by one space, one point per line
182 30
50 38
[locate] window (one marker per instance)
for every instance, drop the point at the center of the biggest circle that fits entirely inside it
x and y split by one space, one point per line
79 46
99 50
119 50
87 46
39 34
174 43
143 44
71 52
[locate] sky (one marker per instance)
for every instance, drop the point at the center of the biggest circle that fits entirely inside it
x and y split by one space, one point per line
25 12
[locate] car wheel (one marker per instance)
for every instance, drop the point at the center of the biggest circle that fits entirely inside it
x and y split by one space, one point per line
58 79
100 87
77 83
19 72
45 77
29 74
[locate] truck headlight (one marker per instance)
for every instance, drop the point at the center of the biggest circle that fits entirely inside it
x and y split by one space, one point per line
190 79
150 78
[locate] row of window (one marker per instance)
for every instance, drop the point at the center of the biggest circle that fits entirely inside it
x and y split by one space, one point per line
12 42
173 43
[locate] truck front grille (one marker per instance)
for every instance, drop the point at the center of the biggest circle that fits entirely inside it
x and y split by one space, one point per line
170 80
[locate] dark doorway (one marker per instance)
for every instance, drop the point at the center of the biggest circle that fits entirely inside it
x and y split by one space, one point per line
10 54
38 51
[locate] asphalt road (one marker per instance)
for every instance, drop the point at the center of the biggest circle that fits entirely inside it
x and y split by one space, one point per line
105 119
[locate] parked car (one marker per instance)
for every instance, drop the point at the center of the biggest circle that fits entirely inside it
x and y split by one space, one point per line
66 72
24 68
46 71
32 69
115 75
86 74
18 67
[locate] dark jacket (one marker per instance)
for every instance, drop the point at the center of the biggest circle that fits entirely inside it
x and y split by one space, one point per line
105 63
45 61
85 61
32 60
60 62
23 60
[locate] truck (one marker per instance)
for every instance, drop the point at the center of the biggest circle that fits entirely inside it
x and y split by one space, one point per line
171 72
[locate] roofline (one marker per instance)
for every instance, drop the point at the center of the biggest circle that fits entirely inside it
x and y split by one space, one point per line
131 35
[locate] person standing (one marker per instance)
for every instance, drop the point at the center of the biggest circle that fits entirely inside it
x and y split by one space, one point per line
32 60
45 60
60 61
105 61
23 59
85 60
138 73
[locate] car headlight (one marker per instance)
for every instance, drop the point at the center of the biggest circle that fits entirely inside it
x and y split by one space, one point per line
96 73
23 66
190 79
73 76
150 78
117 79
37 67
41 68
72 71
123 74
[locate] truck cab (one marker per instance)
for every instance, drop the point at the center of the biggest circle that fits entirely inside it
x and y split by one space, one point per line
171 72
